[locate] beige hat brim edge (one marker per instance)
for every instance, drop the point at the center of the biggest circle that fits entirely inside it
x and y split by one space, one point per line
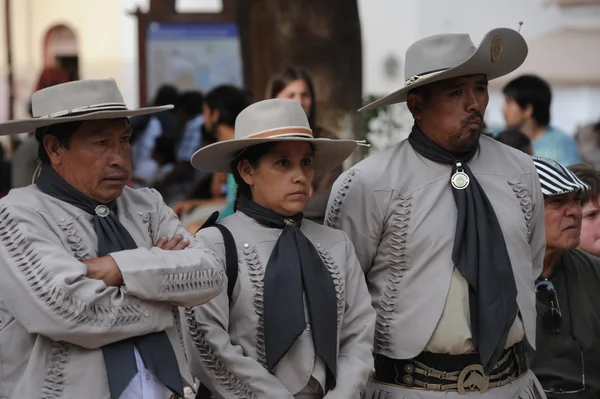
31 124
513 55
217 157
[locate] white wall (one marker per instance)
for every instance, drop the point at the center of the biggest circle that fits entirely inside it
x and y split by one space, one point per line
388 27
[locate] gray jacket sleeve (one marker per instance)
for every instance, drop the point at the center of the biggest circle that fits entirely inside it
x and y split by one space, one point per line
355 359
359 211
51 295
189 277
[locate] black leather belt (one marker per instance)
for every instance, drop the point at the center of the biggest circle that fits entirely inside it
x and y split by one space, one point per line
460 373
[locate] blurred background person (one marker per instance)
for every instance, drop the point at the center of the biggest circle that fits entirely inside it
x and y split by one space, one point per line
294 83
189 121
209 191
590 208
145 130
588 140
527 101
516 139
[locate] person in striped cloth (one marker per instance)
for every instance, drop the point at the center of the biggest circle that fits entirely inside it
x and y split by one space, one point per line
567 360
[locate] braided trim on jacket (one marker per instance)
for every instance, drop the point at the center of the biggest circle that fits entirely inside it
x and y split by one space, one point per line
225 378
524 199
331 219
256 273
39 278
75 240
194 280
54 380
338 282
147 220
398 265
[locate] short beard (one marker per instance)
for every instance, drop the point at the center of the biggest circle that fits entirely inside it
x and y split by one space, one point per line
459 144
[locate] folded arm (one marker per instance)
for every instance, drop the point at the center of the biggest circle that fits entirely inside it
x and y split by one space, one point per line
189 277
46 289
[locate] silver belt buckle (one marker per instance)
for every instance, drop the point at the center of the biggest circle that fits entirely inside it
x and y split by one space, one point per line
473 377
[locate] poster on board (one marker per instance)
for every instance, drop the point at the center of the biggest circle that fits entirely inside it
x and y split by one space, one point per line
192 56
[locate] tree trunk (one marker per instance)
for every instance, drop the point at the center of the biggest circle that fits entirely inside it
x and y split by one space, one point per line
324 38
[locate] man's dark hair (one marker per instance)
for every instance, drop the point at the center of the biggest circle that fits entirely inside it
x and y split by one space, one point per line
63 133
515 139
229 101
591 177
190 102
165 95
165 146
531 90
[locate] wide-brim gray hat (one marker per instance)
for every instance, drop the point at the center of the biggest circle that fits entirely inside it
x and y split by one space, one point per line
79 100
446 56
274 120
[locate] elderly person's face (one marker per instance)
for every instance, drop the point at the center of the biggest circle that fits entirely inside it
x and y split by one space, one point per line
281 180
97 159
563 221
590 227
450 112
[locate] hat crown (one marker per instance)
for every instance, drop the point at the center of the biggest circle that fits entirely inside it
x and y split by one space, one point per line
271 115
437 52
75 95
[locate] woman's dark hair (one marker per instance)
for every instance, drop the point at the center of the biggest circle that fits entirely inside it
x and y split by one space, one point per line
287 75
591 177
63 133
253 155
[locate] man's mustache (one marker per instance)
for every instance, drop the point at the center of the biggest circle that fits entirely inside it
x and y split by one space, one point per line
476 116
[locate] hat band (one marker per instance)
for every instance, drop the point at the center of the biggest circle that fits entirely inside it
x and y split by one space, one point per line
425 75
87 109
292 131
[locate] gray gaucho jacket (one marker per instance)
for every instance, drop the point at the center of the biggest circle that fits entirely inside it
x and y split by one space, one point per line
226 343
399 211
54 320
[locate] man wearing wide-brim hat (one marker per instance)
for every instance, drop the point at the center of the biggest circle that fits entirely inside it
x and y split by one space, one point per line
91 269
449 229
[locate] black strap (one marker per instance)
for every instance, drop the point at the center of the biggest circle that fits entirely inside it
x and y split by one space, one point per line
231 265
231 257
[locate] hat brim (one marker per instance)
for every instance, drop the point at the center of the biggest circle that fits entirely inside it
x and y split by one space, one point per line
29 125
217 157
514 52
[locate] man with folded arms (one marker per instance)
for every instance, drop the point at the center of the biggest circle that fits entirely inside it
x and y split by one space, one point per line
93 271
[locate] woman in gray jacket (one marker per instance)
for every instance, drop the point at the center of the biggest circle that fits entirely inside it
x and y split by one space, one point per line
298 322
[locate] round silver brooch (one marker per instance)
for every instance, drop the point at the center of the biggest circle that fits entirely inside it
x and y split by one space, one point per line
102 211
289 222
460 180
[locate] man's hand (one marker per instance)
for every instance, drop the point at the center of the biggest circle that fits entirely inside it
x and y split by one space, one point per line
104 268
174 244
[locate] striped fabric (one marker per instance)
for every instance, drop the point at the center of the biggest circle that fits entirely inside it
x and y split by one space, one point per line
555 178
